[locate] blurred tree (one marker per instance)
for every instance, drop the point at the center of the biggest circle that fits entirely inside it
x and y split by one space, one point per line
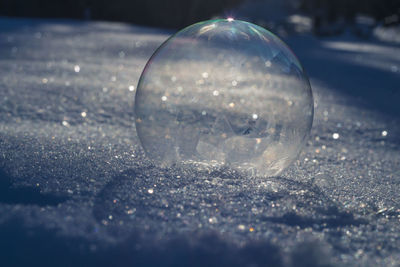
347 9
329 16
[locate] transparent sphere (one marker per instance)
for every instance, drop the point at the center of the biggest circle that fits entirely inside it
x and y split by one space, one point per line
227 93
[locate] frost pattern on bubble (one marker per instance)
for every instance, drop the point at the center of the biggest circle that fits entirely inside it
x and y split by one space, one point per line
224 92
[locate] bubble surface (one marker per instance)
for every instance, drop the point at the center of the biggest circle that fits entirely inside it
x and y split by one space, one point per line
224 93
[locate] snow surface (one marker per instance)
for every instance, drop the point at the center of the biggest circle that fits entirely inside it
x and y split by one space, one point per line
76 189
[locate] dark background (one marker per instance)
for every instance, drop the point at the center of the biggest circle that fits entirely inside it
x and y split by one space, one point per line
180 13
174 13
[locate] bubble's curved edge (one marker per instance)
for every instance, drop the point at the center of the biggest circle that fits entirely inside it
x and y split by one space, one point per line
229 20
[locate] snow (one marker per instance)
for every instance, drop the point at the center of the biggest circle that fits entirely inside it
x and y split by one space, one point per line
76 189
389 34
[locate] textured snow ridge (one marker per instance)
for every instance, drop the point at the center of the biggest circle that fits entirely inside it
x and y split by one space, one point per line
76 189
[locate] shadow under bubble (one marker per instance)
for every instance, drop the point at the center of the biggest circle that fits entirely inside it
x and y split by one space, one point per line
180 200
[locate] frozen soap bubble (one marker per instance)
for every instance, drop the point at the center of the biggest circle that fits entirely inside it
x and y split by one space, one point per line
227 93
